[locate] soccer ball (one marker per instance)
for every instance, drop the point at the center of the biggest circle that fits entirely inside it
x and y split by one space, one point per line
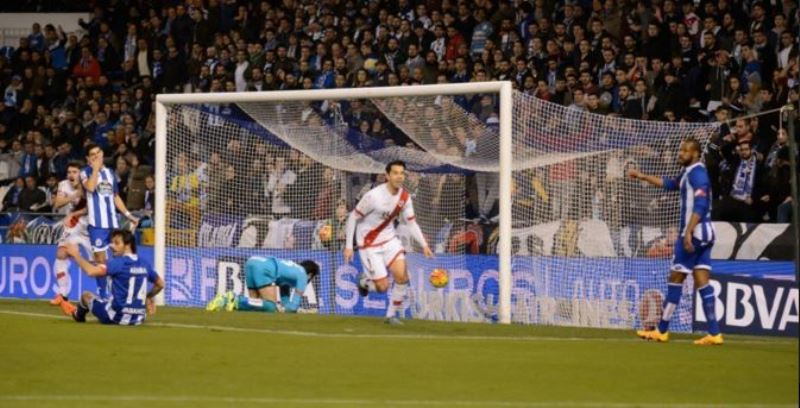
439 278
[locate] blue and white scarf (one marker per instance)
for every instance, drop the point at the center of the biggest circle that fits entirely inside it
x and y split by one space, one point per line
745 176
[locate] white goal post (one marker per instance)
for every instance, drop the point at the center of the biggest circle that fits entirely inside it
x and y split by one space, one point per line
503 89
525 202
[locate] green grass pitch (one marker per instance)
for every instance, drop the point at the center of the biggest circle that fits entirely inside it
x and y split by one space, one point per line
192 358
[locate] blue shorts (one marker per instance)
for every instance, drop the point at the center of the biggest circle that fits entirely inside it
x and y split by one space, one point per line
105 314
260 273
685 262
99 238
99 309
103 290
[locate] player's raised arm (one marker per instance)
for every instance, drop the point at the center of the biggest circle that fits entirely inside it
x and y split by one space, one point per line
63 198
91 175
667 183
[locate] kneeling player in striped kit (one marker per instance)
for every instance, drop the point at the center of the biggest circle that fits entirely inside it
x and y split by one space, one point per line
129 300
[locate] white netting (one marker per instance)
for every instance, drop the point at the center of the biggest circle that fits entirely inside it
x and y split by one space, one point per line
277 177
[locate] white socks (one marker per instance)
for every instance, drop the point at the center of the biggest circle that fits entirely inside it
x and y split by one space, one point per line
62 276
396 299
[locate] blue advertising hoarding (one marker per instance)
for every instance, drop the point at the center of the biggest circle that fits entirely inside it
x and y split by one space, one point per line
747 305
596 292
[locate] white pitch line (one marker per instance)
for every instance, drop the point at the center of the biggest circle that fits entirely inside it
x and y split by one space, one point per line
367 402
448 337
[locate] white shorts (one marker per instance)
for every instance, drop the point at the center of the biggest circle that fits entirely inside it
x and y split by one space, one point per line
376 260
78 239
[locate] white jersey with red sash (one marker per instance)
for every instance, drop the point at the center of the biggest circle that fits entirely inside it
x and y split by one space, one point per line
375 233
378 209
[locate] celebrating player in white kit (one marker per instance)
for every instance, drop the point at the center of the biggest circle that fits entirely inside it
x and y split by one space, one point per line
372 221
69 201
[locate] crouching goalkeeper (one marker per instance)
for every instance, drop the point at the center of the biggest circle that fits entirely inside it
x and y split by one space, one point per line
267 280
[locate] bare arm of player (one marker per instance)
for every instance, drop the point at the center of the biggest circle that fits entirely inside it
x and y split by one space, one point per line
410 219
416 232
654 180
88 267
61 199
361 210
73 216
158 286
121 207
352 219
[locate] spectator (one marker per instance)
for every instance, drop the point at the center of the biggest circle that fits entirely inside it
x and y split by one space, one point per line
630 107
657 61
122 173
325 198
280 177
149 194
11 201
28 161
744 174
87 66
11 97
32 198
36 39
174 71
107 57
185 185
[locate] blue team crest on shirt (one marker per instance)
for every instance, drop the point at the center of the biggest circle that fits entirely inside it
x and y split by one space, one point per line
104 188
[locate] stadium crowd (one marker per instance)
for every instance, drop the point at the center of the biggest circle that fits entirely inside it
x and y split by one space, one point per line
652 60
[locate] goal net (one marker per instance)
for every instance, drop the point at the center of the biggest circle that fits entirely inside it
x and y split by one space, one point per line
277 174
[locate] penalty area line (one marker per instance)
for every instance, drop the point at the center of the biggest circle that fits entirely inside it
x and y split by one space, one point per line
409 336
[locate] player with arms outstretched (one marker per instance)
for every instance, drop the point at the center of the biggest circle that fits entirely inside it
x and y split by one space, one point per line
372 222
102 202
129 300
693 246
267 278
70 201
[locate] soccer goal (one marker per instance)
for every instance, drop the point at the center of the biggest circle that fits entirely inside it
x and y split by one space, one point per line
524 202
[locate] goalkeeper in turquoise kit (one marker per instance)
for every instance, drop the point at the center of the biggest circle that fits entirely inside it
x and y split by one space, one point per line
269 279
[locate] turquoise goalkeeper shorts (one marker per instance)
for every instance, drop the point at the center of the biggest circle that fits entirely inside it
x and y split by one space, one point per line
260 272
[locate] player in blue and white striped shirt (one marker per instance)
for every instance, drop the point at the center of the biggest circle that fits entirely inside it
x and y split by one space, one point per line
102 202
129 300
693 246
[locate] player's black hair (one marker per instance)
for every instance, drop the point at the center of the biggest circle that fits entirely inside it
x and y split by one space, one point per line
693 143
75 164
311 267
90 147
395 163
127 238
